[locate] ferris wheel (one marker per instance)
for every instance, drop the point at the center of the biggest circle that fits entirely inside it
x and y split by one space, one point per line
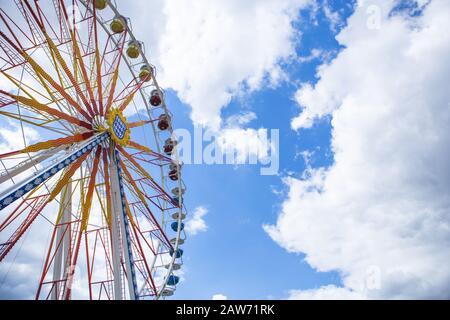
100 170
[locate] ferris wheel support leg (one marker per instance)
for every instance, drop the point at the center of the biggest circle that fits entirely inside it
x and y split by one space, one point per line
119 226
63 236
115 236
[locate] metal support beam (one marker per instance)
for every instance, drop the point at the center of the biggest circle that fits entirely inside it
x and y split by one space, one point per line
120 233
115 232
20 189
63 237
27 164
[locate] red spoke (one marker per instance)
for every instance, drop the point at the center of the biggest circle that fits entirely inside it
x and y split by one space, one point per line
116 74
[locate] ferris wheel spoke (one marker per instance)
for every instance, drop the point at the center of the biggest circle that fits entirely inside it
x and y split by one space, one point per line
65 179
41 73
98 64
6 101
129 98
141 197
59 245
143 172
107 187
38 122
137 192
40 107
69 74
88 199
50 144
35 205
78 58
137 124
62 248
149 233
156 197
39 40
16 191
146 150
146 240
23 87
8 22
115 76
75 37
135 163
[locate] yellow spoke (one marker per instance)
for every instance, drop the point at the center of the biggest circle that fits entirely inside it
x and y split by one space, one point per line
138 123
51 144
115 76
20 85
88 198
63 64
135 145
107 187
32 103
135 163
42 74
67 176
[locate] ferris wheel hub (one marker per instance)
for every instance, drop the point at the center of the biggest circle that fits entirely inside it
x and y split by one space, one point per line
118 127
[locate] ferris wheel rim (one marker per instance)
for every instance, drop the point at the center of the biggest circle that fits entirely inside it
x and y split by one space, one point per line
147 107
156 136
146 62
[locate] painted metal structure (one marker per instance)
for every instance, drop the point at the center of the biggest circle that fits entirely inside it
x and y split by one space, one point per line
96 180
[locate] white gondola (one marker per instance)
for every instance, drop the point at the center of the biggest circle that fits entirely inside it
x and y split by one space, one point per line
176 215
173 241
167 292
178 191
176 266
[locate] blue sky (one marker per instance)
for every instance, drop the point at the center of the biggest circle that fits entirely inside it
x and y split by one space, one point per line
235 256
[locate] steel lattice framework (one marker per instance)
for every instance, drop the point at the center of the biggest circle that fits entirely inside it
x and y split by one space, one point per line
109 189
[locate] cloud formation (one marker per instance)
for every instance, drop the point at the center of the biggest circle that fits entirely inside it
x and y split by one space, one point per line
380 215
197 224
219 296
209 51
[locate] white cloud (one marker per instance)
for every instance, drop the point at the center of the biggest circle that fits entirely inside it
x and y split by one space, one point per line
380 215
219 296
330 292
315 54
12 138
240 119
210 51
333 17
197 224
248 144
